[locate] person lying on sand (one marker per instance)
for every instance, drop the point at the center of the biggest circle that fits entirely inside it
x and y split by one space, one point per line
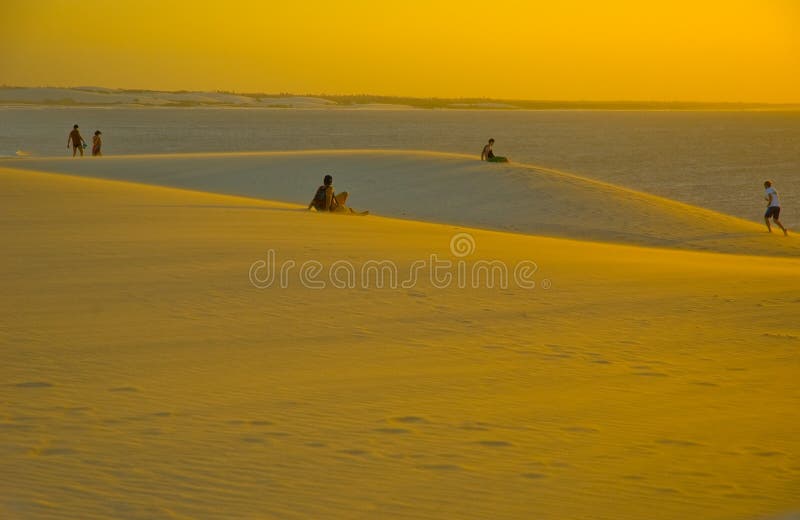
773 207
326 199
488 154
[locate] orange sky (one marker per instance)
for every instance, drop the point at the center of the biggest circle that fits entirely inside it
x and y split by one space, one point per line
700 50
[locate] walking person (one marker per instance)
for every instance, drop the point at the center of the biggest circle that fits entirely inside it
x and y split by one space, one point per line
773 207
76 141
97 143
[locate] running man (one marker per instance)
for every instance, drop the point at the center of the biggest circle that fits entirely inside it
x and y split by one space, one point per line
773 207
76 141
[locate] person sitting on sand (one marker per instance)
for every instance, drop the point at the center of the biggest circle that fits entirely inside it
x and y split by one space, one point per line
773 207
488 154
97 143
326 199
76 141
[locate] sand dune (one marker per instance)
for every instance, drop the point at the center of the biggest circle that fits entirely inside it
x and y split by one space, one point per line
448 188
99 96
144 376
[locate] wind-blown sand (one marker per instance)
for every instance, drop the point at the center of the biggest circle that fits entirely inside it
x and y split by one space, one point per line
144 376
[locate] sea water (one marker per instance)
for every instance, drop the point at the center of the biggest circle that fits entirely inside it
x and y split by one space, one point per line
714 159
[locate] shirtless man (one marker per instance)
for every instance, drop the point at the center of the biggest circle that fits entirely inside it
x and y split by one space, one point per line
76 141
325 199
488 154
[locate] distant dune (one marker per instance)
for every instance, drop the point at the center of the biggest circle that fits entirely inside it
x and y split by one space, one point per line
102 96
446 188
96 96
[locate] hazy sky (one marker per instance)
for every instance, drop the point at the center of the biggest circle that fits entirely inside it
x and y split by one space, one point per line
703 50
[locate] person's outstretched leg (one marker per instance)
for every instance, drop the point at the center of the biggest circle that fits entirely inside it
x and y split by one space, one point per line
766 221
778 222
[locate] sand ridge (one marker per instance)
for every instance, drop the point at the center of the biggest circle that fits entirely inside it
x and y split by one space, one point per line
447 188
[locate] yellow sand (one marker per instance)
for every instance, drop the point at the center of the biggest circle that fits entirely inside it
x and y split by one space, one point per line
447 188
144 376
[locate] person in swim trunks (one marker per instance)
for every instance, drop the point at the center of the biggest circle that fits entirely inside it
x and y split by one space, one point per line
76 141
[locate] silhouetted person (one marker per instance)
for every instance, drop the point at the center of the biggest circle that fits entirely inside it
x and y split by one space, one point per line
488 154
76 141
97 143
326 199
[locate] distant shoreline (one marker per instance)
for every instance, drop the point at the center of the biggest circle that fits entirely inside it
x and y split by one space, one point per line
87 97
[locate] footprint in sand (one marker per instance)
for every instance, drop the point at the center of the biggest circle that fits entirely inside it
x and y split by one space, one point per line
394 431
410 419
744 496
580 429
478 427
58 451
634 477
277 434
785 337
78 410
441 467
34 384
495 444
678 442
534 476
357 452
767 453
124 389
666 490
